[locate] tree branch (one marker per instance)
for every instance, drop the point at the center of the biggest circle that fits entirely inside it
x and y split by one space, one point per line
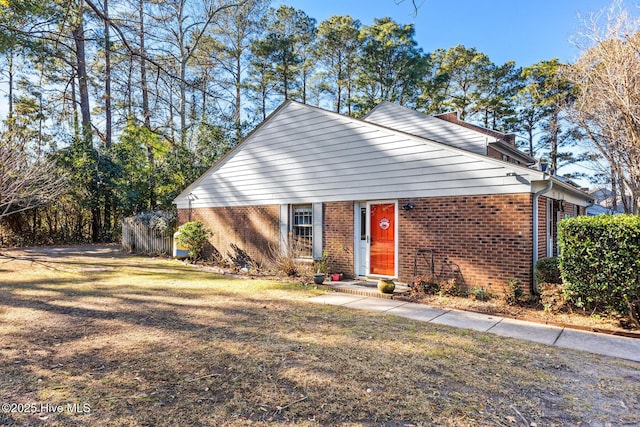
136 52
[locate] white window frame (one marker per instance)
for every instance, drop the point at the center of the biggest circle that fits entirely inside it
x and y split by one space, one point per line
303 229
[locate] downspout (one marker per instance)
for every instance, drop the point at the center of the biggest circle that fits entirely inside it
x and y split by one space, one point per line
536 197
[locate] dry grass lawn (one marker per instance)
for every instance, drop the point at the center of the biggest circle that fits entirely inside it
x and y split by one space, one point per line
92 337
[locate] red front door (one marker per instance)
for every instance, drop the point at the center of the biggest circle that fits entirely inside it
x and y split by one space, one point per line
382 218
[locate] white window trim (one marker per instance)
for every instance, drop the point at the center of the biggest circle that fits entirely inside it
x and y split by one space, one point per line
286 229
293 225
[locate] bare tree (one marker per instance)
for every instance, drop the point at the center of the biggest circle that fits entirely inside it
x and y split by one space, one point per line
608 105
26 181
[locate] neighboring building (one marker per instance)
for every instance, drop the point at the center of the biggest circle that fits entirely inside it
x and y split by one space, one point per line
604 203
396 194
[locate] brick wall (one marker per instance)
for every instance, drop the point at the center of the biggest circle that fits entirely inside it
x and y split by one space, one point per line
254 229
493 153
479 240
338 235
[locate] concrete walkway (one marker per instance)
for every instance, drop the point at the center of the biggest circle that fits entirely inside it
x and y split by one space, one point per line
608 345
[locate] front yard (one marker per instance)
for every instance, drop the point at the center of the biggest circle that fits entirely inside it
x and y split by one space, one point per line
89 336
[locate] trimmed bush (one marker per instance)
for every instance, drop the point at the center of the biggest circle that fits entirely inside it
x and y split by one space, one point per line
193 236
600 262
548 270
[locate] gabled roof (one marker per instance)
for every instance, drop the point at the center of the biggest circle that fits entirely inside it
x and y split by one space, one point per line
303 154
401 118
445 129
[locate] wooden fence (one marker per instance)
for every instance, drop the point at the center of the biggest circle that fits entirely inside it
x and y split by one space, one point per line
138 237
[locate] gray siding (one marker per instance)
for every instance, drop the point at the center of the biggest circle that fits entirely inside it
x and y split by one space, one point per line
406 120
304 154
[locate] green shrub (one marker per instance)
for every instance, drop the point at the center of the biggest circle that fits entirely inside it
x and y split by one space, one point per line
600 262
513 292
480 294
193 236
548 270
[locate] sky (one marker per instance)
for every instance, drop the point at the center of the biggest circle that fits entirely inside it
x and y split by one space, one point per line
525 31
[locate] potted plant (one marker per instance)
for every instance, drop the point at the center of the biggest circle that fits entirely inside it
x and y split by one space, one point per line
318 278
321 272
386 286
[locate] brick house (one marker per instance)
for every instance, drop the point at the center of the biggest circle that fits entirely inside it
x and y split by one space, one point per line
395 194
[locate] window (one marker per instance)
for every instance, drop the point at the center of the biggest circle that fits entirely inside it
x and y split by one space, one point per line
302 231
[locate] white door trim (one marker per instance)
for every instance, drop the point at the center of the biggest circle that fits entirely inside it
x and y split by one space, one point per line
395 236
361 248
549 227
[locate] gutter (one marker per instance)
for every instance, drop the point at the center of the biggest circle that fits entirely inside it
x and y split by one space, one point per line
536 197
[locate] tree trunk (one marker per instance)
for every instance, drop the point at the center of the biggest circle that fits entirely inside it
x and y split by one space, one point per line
614 189
10 113
130 88
304 86
146 113
85 113
184 56
81 64
108 115
264 103
553 133
238 103
107 78
74 108
183 103
96 226
285 79
349 97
